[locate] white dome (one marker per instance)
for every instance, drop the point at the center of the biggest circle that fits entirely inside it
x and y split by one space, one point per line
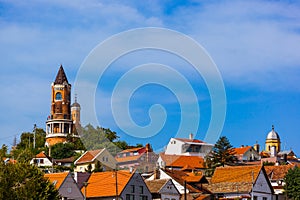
273 135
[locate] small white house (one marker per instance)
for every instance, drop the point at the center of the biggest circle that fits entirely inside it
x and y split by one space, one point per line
41 160
163 189
188 147
241 183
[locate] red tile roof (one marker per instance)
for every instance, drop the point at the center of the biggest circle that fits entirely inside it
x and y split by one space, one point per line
103 184
277 172
132 149
56 178
227 179
242 150
186 162
189 140
156 185
88 156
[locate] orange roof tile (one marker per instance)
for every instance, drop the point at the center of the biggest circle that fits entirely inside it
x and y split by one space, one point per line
9 160
41 155
227 179
277 172
88 156
128 158
103 184
132 149
155 185
235 174
183 161
57 178
241 150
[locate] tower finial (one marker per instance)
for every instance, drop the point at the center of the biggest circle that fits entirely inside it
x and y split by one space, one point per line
75 97
273 127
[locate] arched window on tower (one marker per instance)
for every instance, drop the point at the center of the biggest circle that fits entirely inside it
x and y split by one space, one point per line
58 96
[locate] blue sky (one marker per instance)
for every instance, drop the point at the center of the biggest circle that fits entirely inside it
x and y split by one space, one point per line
254 44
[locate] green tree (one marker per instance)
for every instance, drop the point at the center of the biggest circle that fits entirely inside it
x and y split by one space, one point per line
222 154
292 183
98 167
99 138
3 151
62 150
89 168
24 181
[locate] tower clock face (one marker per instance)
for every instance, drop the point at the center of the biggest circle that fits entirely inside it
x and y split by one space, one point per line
58 96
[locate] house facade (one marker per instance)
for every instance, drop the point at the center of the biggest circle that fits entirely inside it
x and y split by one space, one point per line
142 159
107 161
41 160
246 153
241 183
66 185
122 184
163 189
188 147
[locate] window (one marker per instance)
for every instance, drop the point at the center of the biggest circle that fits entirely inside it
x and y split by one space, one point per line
141 188
58 96
143 197
41 161
129 197
166 199
106 159
255 198
131 188
265 198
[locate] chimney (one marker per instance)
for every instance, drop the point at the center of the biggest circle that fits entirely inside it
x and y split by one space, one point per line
191 136
156 174
256 147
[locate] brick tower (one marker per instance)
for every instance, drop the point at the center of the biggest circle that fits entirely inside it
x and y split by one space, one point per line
59 124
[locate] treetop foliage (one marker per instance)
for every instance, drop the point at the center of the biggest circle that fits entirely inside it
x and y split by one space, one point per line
292 183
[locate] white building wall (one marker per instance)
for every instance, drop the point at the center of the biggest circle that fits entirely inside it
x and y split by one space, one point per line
261 188
174 147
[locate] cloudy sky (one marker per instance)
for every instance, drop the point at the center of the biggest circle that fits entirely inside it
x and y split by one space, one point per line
255 46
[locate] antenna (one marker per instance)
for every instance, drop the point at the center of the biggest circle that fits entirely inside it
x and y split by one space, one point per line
34 130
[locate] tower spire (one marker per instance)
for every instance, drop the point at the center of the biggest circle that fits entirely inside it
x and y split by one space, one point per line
61 76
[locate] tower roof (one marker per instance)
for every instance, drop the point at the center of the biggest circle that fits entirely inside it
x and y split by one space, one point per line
61 76
273 135
75 104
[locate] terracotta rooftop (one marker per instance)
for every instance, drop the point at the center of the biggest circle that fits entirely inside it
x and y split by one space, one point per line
277 172
56 178
103 184
189 140
128 158
41 155
228 179
186 162
242 150
88 156
180 176
132 149
155 185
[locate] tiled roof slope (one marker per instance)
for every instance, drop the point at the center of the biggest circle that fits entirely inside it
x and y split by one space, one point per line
241 150
189 140
128 158
155 185
227 179
103 184
88 156
190 162
56 178
277 172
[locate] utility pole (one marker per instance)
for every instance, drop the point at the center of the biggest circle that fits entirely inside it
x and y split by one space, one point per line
185 197
34 132
252 174
85 184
